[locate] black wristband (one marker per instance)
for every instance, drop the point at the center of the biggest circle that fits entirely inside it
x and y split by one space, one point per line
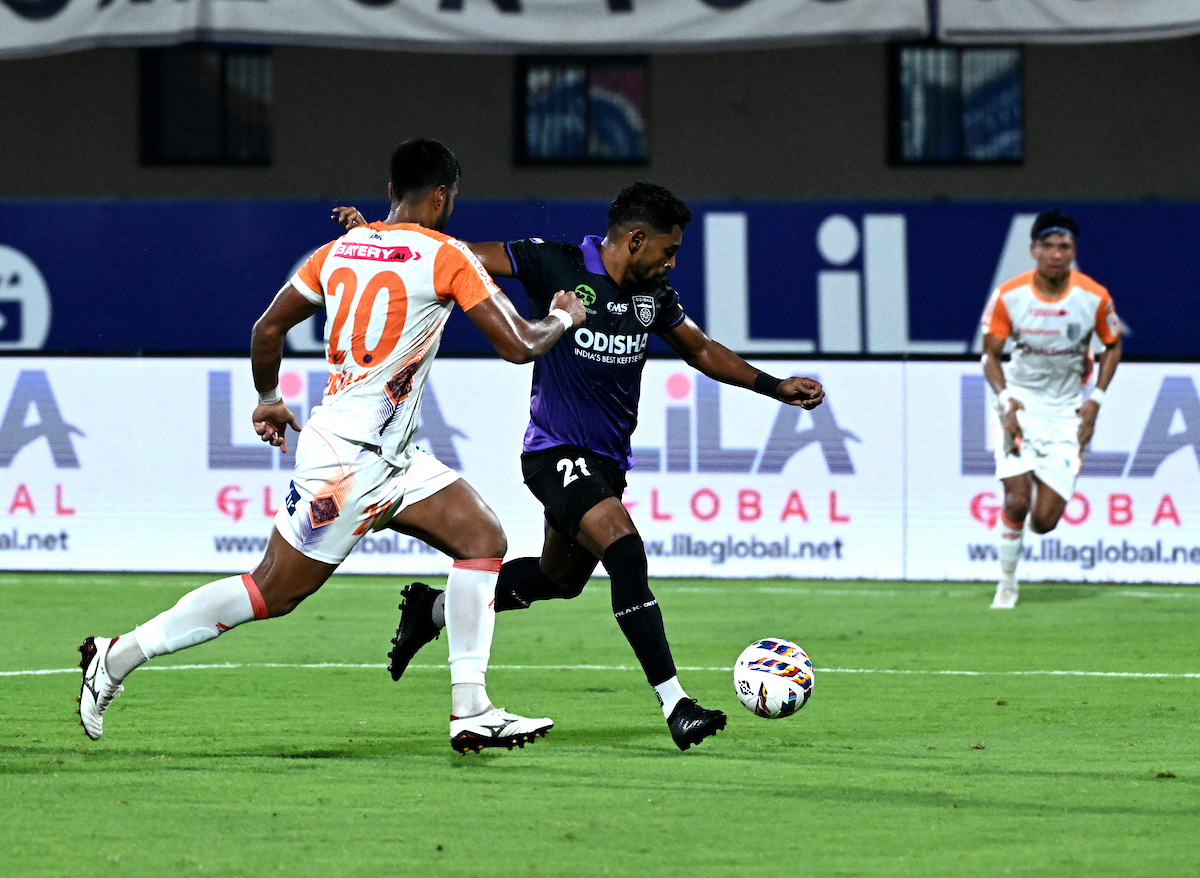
767 385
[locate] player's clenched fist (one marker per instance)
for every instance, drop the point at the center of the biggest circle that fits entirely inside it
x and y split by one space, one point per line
804 392
572 304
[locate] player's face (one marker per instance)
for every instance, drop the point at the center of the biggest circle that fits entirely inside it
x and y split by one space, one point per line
1054 255
655 256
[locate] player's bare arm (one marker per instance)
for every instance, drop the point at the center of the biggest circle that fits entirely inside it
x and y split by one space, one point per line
721 364
272 417
519 340
494 257
993 347
1109 360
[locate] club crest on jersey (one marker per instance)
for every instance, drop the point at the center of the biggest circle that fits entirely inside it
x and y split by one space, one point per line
643 307
1074 331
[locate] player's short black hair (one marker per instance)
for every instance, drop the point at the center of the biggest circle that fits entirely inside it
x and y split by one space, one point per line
650 204
420 164
1052 221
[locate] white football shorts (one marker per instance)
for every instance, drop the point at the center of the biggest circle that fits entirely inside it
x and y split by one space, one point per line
1049 449
341 490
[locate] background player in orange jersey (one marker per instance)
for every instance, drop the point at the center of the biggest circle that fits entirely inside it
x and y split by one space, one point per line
388 289
1042 423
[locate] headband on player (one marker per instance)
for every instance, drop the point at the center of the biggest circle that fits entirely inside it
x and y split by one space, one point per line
1056 229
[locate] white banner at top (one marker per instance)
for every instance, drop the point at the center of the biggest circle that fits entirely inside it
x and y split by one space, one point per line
1063 21
31 27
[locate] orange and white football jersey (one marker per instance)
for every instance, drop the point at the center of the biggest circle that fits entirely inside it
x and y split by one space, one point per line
1051 337
387 292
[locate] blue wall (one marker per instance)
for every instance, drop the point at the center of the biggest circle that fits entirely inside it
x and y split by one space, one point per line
192 276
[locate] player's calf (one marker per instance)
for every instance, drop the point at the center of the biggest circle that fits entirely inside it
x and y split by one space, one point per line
522 583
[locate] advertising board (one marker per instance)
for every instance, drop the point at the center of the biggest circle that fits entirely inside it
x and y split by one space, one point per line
152 464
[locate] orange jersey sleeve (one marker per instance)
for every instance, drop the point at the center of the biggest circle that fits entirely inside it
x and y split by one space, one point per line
459 275
996 320
1108 326
310 272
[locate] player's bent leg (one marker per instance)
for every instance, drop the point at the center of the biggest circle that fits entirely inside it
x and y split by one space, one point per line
285 576
1048 508
1017 491
199 616
456 520
561 572
1018 496
608 528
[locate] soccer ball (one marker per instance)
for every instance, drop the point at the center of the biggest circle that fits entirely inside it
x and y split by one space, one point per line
773 678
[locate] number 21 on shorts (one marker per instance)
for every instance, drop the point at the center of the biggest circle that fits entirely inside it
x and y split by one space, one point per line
567 468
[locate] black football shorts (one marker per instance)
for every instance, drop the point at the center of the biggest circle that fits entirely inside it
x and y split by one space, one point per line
568 481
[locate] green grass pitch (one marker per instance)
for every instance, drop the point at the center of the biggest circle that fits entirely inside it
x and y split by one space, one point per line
258 761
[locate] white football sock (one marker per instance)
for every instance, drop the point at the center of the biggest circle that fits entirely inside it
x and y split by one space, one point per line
438 613
470 611
468 699
201 615
669 694
1011 541
124 655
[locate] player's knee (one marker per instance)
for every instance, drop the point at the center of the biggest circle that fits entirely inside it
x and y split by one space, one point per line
486 543
1042 525
571 589
1016 507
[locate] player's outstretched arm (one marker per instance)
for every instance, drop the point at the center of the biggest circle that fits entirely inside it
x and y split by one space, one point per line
519 340
718 362
271 417
494 257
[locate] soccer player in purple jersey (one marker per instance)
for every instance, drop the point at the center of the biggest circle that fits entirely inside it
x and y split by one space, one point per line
583 411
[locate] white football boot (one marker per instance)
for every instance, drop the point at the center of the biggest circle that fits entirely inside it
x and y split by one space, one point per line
496 728
1007 592
98 689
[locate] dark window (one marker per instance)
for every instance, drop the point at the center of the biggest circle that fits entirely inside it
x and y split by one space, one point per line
206 105
582 111
955 105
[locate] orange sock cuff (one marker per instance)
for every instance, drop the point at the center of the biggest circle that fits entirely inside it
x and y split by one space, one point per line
1008 524
256 599
487 565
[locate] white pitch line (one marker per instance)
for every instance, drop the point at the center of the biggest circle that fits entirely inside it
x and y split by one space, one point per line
319 665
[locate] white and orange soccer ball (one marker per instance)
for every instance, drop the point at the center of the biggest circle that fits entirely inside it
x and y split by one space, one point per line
773 678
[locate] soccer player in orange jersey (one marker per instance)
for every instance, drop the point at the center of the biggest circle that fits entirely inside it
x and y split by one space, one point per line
387 289
1042 422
